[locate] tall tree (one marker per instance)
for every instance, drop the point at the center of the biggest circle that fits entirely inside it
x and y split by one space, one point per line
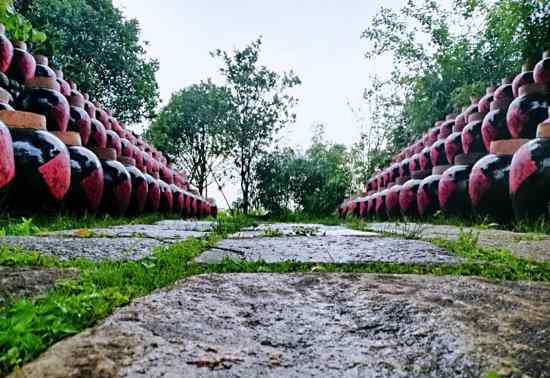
100 50
262 107
189 130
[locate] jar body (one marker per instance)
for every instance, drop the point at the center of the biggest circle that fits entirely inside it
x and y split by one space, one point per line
392 202
80 122
140 189
453 191
98 135
381 205
7 163
177 194
6 53
453 146
427 197
407 199
117 188
86 190
437 153
472 140
22 66
541 73
494 127
525 113
153 194
50 103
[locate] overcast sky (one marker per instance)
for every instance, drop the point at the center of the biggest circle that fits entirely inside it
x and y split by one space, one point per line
319 40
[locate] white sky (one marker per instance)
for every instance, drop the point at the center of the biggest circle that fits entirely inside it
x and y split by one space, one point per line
318 39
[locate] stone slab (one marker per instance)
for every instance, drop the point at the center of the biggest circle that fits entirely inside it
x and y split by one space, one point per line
298 229
92 248
328 249
534 247
186 225
18 282
138 231
316 325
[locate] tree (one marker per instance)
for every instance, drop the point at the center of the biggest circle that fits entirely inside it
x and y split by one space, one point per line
100 50
262 107
189 130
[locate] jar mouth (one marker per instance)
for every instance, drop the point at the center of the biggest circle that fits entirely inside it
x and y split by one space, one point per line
23 120
507 146
104 153
534 88
70 138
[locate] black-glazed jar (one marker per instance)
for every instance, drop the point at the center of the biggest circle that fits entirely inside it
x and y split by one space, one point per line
41 95
427 197
392 202
453 146
64 86
447 126
484 105
113 141
79 120
472 140
541 72
23 65
437 153
528 110
425 159
404 172
453 191
524 77
153 194
166 197
530 176
117 183
179 200
98 135
42 163
42 67
381 205
407 198
140 187
7 163
6 50
489 181
494 126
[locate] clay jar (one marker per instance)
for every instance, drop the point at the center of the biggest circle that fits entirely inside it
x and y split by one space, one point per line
453 146
404 172
427 197
437 153
140 187
113 141
213 208
541 72
42 164
528 110
87 181
380 209
117 183
472 141
447 126
127 149
42 67
407 198
524 77
79 120
453 191
504 92
153 193
98 135
488 184
89 106
485 102
460 122
102 116
425 159
530 176
42 96
7 163
494 126
414 163
392 202
472 108
5 99
6 50
64 86
22 65
179 200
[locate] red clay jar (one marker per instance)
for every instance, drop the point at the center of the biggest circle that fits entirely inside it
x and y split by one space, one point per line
472 140
5 99
494 126
153 194
472 108
127 150
362 207
392 202
453 191
404 172
488 185
79 120
86 189
98 135
381 205
505 92
102 116
528 110
64 86
524 77
530 176
138 156
177 195
394 169
42 67
427 197
407 198
484 105
460 122
113 141
7 163
6 50
437 153
453 146
42 163
425 159
140 187
22 65
447 126
541 72
89 106
414 163
117 183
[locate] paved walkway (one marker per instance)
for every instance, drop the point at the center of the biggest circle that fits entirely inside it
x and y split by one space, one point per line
308 324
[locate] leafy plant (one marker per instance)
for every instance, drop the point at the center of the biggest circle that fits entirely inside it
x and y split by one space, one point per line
17 26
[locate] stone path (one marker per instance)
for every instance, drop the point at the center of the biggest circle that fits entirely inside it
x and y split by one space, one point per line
303 324
534 247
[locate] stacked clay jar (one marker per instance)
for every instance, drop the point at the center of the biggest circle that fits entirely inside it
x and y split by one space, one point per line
491 159
61 151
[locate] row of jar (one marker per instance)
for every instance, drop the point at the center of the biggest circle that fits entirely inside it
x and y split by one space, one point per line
511 110
42 170
514 179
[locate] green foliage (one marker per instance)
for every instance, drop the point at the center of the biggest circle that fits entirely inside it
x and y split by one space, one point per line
18 28
190 130
262 107
100 50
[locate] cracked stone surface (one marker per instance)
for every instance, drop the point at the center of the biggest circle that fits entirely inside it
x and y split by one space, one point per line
186 225
534 247
297 229
92 248
316 325
327 249
18 282
139 230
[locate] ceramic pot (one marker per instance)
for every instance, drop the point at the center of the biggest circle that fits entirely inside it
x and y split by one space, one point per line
437 153
102 116
5 99
447 127
117 183
64 86
484 105
504 92
407 198
380 209
79 120
427 197
42 67
453 146
453 191
541 72
494 126
42 163
22 65
425 159
404 172
179 200
89 106
524 77
414 163
6 50
98 135
472 108
460 122
472 140
41 95
140 187
113 141
392 202
7 163
528 110
153 194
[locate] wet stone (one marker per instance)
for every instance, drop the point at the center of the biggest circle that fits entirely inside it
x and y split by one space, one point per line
297 229
18 282
139 231
92 248
327 249
318 325
186 225
534 247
